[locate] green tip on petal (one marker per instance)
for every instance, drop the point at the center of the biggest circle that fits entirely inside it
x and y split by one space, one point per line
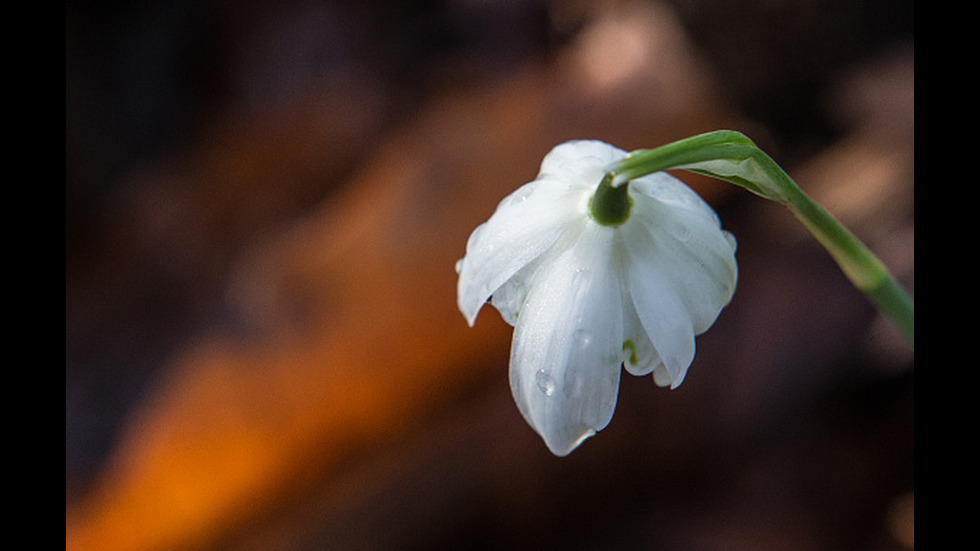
630 346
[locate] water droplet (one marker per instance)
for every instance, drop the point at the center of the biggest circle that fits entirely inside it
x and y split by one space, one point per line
545 383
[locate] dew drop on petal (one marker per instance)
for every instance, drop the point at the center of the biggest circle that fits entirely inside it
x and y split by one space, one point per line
545 383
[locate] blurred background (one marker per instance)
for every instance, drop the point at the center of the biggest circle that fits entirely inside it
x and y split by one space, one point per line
264 204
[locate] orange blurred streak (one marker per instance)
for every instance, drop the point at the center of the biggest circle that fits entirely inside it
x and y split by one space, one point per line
235 422
238 427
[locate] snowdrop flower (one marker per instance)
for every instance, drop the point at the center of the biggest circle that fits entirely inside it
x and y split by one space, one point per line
593 277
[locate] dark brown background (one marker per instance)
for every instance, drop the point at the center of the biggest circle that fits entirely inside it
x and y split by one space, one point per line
264 204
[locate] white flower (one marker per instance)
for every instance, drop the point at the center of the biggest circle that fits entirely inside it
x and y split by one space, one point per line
585 298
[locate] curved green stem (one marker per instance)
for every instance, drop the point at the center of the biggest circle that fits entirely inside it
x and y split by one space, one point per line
732 157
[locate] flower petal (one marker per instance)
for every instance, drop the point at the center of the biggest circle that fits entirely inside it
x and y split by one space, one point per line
661 310
671 191
524 225
640 357
682 269
567 349
509 298
580 162
684 234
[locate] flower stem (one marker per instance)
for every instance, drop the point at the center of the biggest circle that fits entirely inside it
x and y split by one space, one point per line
732 157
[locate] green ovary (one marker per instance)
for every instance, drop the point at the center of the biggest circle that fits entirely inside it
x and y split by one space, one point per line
611 206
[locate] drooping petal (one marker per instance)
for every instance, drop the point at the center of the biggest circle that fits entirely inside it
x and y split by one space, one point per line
673 192
640 358
682 270
524 225
567 349
509 298
580 162
661 311
685 236
661 377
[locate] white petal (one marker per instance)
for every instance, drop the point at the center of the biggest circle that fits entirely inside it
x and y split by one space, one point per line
640 356
661 377
682 270
509 298
525 224
567 350
660 309
673 192
580 162
685 239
